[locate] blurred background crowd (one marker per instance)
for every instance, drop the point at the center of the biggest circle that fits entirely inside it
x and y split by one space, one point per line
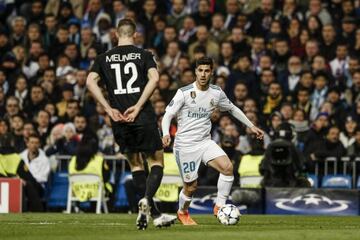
285 61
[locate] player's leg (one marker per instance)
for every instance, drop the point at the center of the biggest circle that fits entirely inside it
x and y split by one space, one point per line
156 165
138 172
188 162
216 158
139 178
185 195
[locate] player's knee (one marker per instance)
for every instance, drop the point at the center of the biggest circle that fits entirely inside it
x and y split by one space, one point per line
190 188
228 169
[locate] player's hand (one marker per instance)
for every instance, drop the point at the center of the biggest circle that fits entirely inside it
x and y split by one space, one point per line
131 113
115 115
258 132
166 140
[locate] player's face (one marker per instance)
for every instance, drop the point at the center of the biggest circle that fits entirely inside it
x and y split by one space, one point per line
203 74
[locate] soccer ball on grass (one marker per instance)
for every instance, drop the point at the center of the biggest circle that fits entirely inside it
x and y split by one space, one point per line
228 215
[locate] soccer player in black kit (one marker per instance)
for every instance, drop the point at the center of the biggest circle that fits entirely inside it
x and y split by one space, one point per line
130 76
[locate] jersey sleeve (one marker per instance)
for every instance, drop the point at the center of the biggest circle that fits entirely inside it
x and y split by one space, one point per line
176 103
150 61
224 103
96 67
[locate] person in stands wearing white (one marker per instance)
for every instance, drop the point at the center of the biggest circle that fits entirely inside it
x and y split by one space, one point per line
36 160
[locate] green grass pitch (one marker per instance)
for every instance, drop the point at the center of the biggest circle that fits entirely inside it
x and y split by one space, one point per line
121 226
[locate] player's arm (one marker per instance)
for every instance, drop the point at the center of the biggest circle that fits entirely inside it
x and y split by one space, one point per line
132 112
165 126
92 84
226 105
170 112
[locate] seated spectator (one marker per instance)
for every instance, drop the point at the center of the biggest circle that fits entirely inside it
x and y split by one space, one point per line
319 94
354 149
316 133
301 127
17 125
328 147
106 137
36 160
348 136
66 145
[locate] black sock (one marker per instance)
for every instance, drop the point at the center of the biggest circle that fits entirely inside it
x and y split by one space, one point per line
152 185
139 178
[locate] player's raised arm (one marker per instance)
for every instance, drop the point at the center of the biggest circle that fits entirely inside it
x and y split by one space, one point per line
92 84
226 105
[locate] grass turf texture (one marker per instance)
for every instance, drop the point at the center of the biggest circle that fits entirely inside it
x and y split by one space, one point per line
122 226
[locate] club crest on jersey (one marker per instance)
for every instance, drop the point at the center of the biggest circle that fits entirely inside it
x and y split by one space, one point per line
193 96
212 103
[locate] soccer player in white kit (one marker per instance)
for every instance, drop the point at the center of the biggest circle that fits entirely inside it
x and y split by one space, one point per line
193 106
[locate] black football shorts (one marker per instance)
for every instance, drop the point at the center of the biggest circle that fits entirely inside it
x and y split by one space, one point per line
133 138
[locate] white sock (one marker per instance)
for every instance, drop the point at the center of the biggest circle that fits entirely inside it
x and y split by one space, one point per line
184 202
224 187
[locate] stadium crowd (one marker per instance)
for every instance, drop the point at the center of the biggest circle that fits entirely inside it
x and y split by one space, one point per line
294 61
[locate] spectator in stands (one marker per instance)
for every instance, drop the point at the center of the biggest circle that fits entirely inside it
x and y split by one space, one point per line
316 9
319 94
331 146
66 145
242 72
16 126
301 127
43 125
106 137
329 43
348 135
218 31
241 93
317 132
275 119
203 14
273 99
32 189
2 102
352 94
354 149
72 109
290 77
203 39
81 126
21 90
36 160
12 107
36 102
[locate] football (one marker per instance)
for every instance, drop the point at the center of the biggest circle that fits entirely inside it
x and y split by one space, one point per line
228 214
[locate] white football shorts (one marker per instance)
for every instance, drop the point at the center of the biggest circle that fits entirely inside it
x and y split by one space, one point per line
189 159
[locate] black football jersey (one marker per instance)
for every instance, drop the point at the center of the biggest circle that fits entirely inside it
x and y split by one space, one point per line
124 70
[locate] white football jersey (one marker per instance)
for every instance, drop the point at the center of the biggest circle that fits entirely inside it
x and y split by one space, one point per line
193 109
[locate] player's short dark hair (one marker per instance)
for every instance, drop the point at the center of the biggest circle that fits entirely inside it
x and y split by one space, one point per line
205 61
126 27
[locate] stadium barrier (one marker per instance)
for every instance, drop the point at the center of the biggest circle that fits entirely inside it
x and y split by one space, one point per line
327 201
